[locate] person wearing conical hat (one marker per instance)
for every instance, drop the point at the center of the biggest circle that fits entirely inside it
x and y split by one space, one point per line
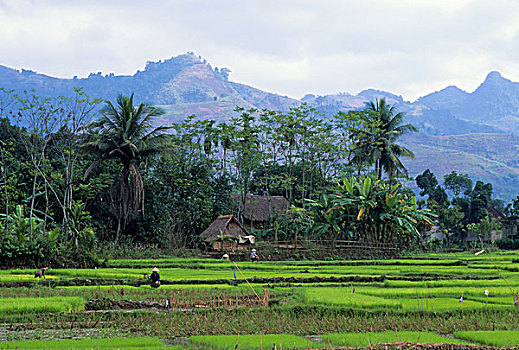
253 256
154 278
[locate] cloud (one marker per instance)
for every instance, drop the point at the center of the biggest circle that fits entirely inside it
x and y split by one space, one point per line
409 47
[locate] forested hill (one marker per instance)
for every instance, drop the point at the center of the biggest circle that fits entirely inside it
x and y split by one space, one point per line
187 84
468 132
183 85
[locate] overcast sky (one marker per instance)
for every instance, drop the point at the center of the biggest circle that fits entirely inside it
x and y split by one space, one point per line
292 47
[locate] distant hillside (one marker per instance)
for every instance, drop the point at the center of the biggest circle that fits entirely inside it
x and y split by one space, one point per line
468 132
183 85
487 157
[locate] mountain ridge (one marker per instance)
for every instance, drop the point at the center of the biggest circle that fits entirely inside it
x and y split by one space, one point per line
187 84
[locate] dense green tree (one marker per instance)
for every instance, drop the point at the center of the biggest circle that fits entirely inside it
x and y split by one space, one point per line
457 183
427 182
485 226
186 194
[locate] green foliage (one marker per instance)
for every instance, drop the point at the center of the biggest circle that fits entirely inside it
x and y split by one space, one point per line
20 226
485 227
253 341
457 183
186 196
492 338
83 246
374 338
125 132
190 173
344 296
40 305
373 133
110 343
508 243
429 185
37 251
290 224
372 211
25 242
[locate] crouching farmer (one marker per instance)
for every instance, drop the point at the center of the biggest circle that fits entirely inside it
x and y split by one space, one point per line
253 256
154 278
41 273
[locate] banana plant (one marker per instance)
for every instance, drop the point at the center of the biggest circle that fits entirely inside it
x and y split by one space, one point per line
19 225
371 210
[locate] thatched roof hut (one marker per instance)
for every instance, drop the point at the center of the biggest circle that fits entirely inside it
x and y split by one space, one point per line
260 208
227 225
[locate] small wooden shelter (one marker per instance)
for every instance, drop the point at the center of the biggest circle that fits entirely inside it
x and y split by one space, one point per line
226 233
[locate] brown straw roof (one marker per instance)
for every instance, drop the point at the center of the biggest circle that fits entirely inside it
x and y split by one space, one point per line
260 208
224 225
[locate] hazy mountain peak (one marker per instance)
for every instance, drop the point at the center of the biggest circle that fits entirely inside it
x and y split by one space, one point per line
444 99
372 94
494 76
495 79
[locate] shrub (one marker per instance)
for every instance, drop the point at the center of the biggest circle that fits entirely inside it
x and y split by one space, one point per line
30 252
508 243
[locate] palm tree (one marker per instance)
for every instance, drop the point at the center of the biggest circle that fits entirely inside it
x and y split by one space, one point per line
124 132
386 152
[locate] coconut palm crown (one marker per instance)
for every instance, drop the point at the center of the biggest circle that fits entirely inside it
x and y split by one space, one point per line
387 153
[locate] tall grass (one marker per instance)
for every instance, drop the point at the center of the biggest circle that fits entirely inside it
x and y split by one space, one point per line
40 305
435 292
253 341
373 338
344 297
111 343
493 338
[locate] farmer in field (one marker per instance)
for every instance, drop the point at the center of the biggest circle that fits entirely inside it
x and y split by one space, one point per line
154 278
41 273
253 256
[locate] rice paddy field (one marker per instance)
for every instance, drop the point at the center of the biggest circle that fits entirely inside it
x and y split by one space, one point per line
454 301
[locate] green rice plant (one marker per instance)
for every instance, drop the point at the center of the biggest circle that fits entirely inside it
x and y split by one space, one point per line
373 338
253 341
445 304
451 283
344 297
100 273
40 291
509 300
396 293
177 294
110 343
169 262
40 305
23 277
492 338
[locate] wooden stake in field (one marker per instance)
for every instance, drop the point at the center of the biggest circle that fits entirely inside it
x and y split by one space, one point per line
241 273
